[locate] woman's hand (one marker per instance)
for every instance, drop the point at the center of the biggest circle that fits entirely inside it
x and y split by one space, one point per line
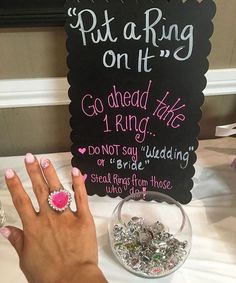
53 247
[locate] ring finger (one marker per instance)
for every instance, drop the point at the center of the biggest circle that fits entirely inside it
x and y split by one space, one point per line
50 175
54 183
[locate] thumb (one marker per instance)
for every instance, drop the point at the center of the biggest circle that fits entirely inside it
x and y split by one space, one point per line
15 237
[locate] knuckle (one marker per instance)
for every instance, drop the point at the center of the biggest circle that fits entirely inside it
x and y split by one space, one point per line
20 199
13 183
33 168
31 231
42 189
88 219
34 171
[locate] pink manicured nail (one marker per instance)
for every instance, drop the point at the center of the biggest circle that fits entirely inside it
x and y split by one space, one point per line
9 173
233 165
5 232
44 162
29 158
76 172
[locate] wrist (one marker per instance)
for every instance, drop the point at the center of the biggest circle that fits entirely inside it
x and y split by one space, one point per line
88 273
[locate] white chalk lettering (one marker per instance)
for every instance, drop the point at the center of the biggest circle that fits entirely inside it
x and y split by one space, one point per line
131 35
95 34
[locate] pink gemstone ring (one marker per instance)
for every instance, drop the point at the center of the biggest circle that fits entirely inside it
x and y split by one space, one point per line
59 200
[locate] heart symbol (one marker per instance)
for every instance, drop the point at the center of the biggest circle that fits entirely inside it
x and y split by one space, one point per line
85 177
82 150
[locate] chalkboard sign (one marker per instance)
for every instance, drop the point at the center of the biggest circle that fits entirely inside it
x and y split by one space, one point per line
137 75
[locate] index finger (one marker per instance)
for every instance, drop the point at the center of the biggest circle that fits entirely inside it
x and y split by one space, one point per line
20 198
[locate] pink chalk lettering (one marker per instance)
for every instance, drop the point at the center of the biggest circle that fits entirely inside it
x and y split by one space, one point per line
104 149
101 179
133 190
101 162
130 151
90 106
93 150
114 190
106 121
110 149
160 184
137 182
132 123
116 179
138 99
168 113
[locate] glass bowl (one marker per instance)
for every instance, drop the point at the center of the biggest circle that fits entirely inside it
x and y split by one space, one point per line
150 234
2 215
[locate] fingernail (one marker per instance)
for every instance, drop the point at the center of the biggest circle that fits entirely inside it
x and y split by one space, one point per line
5 232
9 173
233 165
76 172
44 162
29 158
